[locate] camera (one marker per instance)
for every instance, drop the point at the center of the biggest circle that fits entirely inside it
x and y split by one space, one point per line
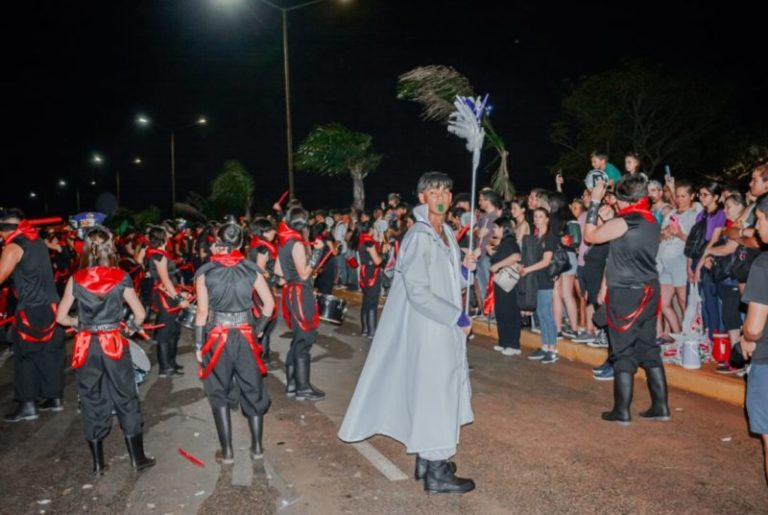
590 181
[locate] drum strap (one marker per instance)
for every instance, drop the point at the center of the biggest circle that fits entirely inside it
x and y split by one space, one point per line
166 307
369 282
218 338
624 323
112 344
46 332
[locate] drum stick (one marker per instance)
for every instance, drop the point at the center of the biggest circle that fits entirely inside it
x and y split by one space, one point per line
325 258
282 197
45 221
6 321
191 458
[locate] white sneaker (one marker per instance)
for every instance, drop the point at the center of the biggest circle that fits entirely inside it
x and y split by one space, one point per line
498 348
509 351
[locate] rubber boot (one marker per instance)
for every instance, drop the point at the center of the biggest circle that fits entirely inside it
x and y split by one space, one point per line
623 385
371 316
657 386
223 419
290 379
440 479
97 454
266 356
139 461
364 323
304 389
174 346
25 410
164 360
256 424
421 467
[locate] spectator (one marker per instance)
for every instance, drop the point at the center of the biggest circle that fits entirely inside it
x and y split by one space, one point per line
506 254
600 162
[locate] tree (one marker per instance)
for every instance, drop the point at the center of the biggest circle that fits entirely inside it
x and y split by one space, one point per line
334 150
435 87
664 117
232 190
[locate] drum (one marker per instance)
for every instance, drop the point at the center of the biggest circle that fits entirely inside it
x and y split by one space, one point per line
187 316
140 360
332 309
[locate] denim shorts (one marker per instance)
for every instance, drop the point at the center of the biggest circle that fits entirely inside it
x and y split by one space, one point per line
757 398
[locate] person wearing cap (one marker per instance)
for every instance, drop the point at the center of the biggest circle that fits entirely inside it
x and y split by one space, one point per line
39 353
226 338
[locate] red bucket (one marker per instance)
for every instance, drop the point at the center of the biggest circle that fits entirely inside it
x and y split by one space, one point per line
721 347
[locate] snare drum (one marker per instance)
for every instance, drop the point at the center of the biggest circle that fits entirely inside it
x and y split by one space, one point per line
140 360
332 309
187 316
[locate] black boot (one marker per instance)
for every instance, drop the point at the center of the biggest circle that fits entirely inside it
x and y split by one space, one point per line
172 361
139 460
24 411
55 404
290 380
304 389
256 423
364 323
623 384
421 467
266 356
371 314
97 454
657 386
440 479
223 420
164 360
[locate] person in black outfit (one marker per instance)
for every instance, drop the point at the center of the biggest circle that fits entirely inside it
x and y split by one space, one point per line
104 370
508 320
369 256
262 250
632 297
299 304
166 301
327 274
225 338
38 352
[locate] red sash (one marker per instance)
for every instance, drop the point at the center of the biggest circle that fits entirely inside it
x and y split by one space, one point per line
218 338
292 292
24 229
642 207
112 344
46 333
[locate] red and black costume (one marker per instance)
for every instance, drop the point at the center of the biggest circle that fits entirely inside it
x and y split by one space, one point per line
167 308
257 247
300 312
39 353
104 371
370 283
231 349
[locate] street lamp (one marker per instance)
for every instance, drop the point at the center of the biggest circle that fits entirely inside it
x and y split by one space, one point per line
144 121
99 160
286 76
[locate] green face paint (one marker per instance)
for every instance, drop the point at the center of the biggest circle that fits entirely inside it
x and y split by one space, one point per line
441 208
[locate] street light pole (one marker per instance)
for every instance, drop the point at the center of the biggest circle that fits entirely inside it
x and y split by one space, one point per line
288 124
117 184
173 175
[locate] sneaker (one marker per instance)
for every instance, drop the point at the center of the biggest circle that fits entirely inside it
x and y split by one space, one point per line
583 337
549 357
600 341
535 329
601 367
726 368
537 354
498 348
559 336
509 351
569 333
606 374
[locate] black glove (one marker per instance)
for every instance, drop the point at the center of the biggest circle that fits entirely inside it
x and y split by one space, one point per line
260 325
199 337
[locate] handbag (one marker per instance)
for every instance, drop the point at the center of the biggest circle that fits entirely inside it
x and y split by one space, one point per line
696 241
742 262
506 278
560 262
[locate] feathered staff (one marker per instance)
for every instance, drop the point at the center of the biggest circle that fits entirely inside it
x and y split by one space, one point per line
467 122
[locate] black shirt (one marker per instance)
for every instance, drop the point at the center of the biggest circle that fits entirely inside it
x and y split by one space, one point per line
507 246
757 291
96 310
547 243
632 257
229 287
33 275
285 255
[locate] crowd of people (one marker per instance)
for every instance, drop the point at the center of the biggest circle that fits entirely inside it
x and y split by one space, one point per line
612 267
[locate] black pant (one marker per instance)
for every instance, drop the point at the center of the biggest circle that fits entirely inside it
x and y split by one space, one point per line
39 366
635 345
171 332
507 317
105 384
731 305
236 361
371 296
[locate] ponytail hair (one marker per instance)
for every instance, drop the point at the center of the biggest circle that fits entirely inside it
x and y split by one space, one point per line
98 249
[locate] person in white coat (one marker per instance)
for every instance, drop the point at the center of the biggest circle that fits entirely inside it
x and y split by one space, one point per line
414 386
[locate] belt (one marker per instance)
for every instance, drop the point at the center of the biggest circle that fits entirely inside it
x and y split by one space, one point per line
231 319
102 327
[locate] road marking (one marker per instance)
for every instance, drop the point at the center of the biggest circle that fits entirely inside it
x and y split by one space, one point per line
381 462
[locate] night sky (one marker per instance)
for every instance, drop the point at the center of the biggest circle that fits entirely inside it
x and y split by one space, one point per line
75 74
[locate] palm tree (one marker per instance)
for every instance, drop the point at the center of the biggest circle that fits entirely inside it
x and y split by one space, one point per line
335 150
232 190
435 87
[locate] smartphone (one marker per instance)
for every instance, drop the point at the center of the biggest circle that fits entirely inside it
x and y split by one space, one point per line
667 171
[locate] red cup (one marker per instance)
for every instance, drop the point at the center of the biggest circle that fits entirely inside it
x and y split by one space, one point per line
721 347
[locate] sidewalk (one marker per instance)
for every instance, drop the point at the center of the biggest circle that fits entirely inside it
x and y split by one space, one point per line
704 381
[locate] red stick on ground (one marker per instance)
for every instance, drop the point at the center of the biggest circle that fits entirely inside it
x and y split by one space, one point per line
191 458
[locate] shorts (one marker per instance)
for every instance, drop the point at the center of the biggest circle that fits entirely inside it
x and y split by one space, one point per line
757 398
672 271
573 262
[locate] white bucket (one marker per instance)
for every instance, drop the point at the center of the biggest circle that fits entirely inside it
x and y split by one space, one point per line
690 357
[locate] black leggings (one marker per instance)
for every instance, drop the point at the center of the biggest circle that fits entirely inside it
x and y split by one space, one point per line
508 319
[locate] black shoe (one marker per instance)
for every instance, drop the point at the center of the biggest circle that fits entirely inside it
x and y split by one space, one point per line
223 420
164 360
364 323
304 389
623 385
657 386
256 424
440 479
55 404
421 467
24 411
139 461
290 380
172 358
97 455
